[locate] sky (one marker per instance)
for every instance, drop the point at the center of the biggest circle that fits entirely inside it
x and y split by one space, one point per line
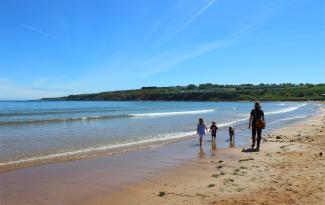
56 48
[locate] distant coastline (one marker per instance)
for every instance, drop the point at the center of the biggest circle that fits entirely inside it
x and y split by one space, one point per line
209 92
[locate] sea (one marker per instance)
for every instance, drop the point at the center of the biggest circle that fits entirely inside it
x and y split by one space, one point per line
45 130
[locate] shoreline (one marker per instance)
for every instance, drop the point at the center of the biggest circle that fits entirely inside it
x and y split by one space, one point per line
40 100
165 170
288 170
103 150
98 152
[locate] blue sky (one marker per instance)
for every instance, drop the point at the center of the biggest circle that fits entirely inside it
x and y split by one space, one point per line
54 48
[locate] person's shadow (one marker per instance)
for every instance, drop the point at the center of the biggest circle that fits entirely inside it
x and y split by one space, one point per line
251 149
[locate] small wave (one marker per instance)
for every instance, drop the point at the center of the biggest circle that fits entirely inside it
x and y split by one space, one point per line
61 120
160 138
289 109
289 118
232 122
100 117
72 111
162 114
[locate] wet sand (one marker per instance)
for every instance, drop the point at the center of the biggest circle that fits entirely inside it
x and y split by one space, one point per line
73 182
288 170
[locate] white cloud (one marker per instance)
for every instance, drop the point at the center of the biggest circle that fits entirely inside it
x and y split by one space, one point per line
37 30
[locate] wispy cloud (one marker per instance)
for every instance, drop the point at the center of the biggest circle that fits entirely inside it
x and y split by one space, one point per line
168 27
190 20
169 59
37 30
109 75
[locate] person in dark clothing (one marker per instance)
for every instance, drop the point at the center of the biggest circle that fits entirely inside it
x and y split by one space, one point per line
231 134
213 130
256 115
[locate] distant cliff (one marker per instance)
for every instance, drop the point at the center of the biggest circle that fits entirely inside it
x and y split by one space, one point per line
210 92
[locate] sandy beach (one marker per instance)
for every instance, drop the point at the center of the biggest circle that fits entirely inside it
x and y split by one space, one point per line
289 169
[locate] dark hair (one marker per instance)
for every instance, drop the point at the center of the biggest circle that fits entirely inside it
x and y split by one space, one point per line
200 121
257 105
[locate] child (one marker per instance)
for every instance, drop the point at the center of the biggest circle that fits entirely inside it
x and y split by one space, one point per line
201 128
213 130
231 134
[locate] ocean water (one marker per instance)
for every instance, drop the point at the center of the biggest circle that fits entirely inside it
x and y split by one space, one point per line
37 130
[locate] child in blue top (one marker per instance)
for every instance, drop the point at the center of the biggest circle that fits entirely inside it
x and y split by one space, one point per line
201 128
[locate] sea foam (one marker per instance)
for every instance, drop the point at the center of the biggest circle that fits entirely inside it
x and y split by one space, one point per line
162 114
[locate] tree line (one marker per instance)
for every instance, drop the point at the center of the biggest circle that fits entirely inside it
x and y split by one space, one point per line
211 92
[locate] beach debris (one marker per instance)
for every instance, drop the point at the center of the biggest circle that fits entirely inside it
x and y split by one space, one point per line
278 137
199 194
211 185
247 159
239 189
228 181
238 172
321 154
218 175
284 147
179 194
162 193
220 166
220 161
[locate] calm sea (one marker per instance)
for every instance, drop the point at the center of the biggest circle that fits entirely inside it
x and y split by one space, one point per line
36 130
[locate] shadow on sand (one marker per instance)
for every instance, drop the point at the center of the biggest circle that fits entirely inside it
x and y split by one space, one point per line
248 150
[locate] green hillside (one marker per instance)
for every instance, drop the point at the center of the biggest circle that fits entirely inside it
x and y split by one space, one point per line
211 92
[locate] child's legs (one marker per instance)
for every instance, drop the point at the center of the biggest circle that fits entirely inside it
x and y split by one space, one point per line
201 138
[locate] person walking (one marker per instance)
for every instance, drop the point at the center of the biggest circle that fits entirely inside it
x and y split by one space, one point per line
257 123
201 128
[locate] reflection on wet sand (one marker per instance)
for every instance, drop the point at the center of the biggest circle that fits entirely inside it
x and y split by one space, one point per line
213 148
201 153
232 143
